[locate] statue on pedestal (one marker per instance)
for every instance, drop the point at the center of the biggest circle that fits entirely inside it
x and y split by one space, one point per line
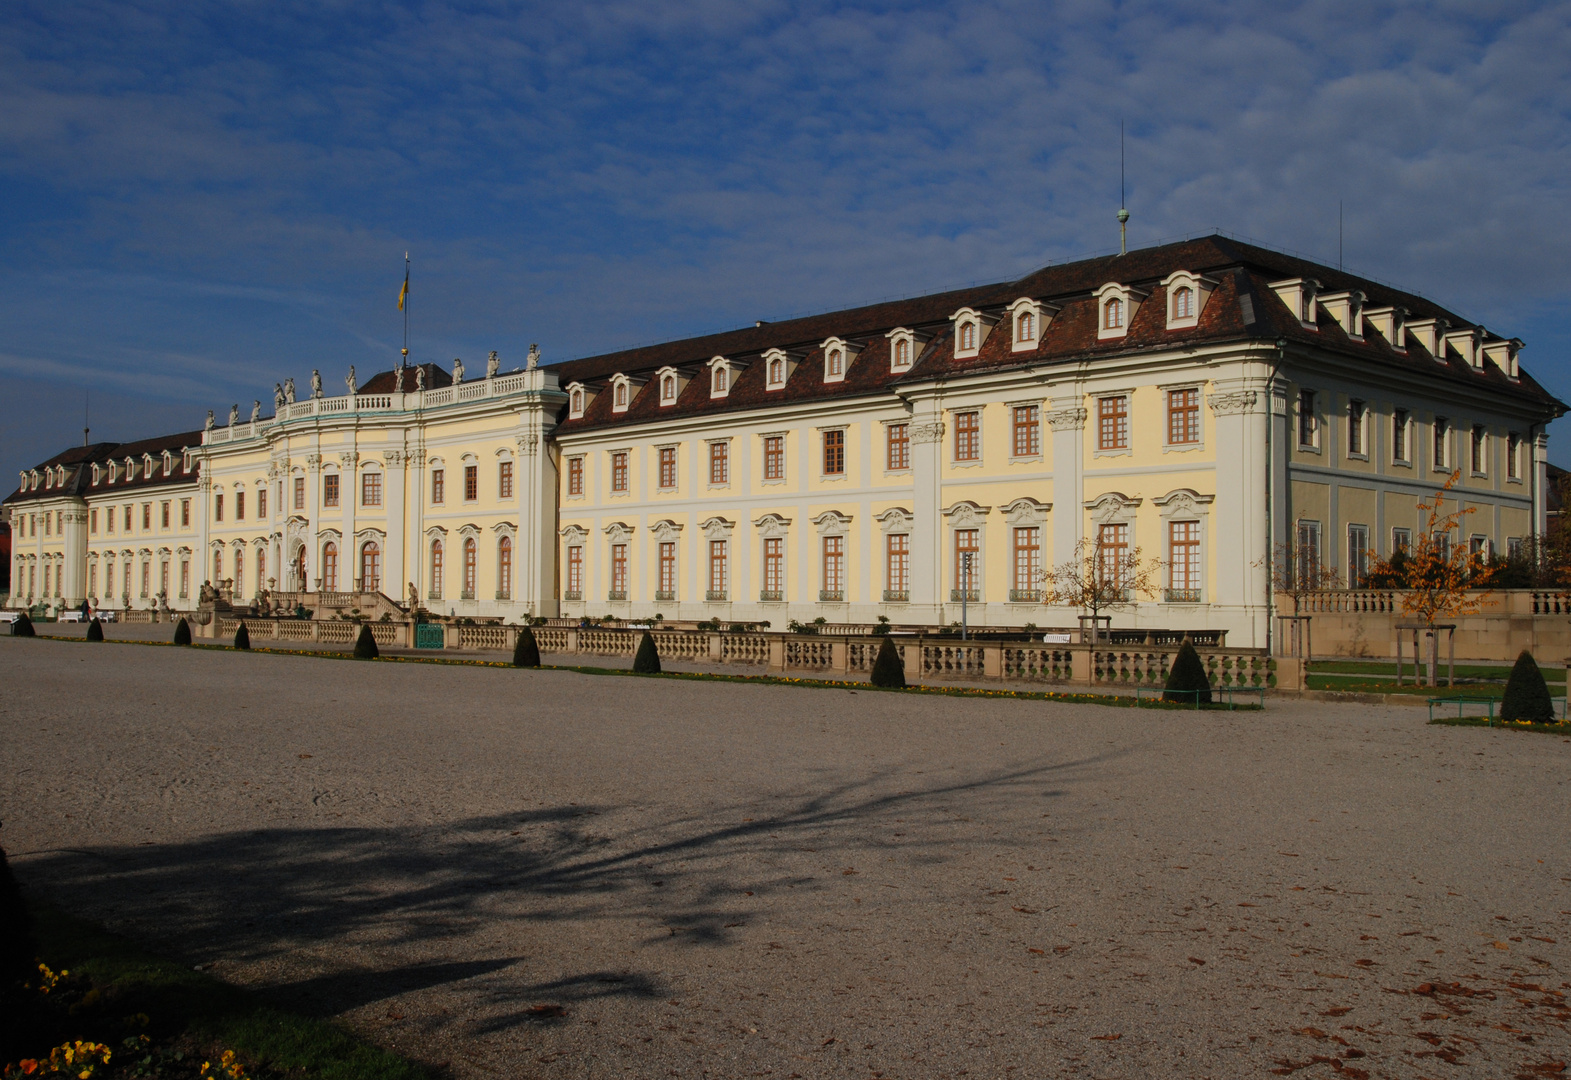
493 364
419 378
534 357
458 371
289 390
316 383
278 398
209 425
349 381
234 415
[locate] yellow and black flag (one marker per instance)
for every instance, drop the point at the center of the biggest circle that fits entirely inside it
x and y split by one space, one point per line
403 294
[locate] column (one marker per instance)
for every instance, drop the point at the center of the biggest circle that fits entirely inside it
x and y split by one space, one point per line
74 589
927 563
1067 417
313 515
348 500
395 574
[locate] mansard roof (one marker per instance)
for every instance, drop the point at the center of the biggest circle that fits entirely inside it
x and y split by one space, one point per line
1242 308
79 461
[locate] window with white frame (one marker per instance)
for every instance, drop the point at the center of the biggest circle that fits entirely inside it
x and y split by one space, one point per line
667 476
619 471
1356 414
1027 564
776 371
1112 553
1025 328
1308 421
667 571
719 381
575 475
968 436
774 457
575 403
1112 422
435 589
1183 417
718 570
575 572
968 565
1440 450
1027 430
834 569
897 567
902 353
719 463
619 396
618 572
897 454
1478 449
1183 548
1357 556
1183 302
774 569
1513 456
668 389
1306 554
1113 314
504 568
1401 435
1401 540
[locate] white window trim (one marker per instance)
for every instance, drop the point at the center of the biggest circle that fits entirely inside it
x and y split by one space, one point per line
1041 424
1132 299
1363 428
730 463
1180 505
1202 287
848 353
1042 315
1317 415
984 326
1407 441
788 362
1200 419
915 342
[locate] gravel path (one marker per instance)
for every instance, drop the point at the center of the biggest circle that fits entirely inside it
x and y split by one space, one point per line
558 875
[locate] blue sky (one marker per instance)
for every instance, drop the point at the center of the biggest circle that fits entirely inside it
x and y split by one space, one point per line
200 200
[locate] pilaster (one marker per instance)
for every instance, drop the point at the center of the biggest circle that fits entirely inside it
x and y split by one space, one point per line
1067 417
927 442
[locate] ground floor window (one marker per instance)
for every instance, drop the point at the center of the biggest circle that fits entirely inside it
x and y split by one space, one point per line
1306 554
575 572
897 567
1357 556
834 569
667 578
717 570
1183 546
1112 553
968 564
618 572
329 567
435 589
504 568
1027 563
469 568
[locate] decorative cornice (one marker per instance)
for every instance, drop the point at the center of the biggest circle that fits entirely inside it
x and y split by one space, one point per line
1066 419
927 433
1237 401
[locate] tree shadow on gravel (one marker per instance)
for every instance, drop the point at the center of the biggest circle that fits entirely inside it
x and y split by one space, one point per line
435 892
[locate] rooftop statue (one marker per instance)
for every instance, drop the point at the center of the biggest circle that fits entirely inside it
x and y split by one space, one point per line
256 410
209 425
289 390
316 383
458 371
278 398
234 415
534 357
349 381
493 364
419 378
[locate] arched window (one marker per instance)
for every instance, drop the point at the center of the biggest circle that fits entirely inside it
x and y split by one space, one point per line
1184 303
370 568
329 567
968 335
1025 327
261 569
621 395
668 388
469 568
578 401
218 568
902 353
239 575
435 589
1113 314
776 371
836 362
504 579
718 382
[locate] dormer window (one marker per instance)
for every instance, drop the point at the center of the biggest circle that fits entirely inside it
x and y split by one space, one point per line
1347 308
147 465
620 400
577 406
130 469
722 376
671 383
838 354
1116 307
1503 353
778 365
579 398
717 382
902 357
971 330
169 463
1186 298
904 347
667 389
49 479
1029 320
1299 294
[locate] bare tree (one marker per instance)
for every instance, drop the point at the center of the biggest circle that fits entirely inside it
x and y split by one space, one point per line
1101 577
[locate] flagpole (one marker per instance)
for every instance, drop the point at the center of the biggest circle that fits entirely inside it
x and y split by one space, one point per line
405 361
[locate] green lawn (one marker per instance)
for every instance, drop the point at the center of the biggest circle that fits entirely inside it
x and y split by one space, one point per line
161 1018
1379 677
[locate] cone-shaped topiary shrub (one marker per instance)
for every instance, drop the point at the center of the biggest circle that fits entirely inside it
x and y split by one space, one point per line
95 631
526 651
1526 697
647 660
365 645
182 632
888 668
23 627
242 637
1187 677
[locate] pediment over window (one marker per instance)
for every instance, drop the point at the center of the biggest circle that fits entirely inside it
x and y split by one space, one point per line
832 523
618 532
1183 501
772 526
1026 511
666 530
896 519
966 513
1112 506
574 534
717 528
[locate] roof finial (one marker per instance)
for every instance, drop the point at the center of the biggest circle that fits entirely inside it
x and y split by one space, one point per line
1123 214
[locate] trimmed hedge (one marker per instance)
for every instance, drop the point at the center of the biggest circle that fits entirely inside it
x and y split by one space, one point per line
95 631
365 644
242 637
526 651
182 632
888 669
1186 680
1527 696
647 660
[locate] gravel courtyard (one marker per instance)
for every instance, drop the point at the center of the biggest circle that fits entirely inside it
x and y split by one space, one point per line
524 874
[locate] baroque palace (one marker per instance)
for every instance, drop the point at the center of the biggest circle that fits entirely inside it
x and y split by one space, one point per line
1202 402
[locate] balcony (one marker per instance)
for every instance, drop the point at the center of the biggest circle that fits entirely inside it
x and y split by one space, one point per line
1025 596
766 596
897 596
668 595
467 594
570 595
973 596
831 596
1181 596
718 596
503 594
617 595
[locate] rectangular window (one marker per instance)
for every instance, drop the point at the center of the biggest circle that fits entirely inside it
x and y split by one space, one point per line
438 486
834 453
92 521
261 505
618 572
185 513
717 570
774 568
504 480
147 514
1306 556
899 448
575 572
668 467
109 520
330 489
299 487
1479 450
1399 425
1183 542
1112 423
1027 563
719 463
968 567
1028 431
834 568
1513 456
575 476
968 436
1441 444
471 483
1183 417
1355 428
163 514
92 578
1308 425
1112 553
218 510
897 567
619 471
1357 556
109 578
239 509
371 489
667 570
185 578
1477 547
774 457
1401 540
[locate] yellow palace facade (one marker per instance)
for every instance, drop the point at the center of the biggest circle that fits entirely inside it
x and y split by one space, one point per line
1202 402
